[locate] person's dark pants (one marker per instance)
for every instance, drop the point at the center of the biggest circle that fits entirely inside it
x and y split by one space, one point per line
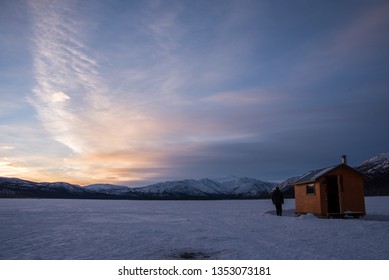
279 209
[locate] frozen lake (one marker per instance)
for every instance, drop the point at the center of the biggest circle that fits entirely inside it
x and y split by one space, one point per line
226 229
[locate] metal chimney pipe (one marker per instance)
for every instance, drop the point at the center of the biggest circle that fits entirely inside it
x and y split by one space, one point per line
344 159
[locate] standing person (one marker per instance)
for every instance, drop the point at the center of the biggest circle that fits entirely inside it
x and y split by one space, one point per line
278 200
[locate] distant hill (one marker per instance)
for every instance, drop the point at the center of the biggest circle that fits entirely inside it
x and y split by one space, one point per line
208 189
376 166
17 188
107 189
377 170
233 188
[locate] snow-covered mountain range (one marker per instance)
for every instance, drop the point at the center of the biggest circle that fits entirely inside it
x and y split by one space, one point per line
377 170
230 187
377 165
107 189
11 186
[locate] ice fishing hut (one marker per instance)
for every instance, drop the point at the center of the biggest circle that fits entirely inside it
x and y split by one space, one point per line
333 191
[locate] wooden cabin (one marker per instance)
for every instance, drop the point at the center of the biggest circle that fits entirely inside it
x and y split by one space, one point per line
333 191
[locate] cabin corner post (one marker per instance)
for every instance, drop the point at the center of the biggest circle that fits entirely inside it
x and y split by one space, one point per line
340 191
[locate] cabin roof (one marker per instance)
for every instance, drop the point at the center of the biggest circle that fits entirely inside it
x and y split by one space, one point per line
313 175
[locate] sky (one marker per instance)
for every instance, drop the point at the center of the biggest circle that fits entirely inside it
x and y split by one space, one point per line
137 92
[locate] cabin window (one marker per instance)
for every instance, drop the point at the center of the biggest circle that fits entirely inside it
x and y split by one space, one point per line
310 189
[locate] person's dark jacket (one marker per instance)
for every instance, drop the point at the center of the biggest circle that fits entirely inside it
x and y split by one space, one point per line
277 197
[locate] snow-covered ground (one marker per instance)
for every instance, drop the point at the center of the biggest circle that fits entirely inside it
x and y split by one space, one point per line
224 229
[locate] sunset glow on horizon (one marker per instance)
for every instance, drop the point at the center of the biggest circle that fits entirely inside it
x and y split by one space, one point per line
135 92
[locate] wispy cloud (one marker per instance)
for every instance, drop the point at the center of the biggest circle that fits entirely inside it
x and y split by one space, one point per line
244 97
142 111
132 90
64 74
79 110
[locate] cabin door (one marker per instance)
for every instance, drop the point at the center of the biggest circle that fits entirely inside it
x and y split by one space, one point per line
333 194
